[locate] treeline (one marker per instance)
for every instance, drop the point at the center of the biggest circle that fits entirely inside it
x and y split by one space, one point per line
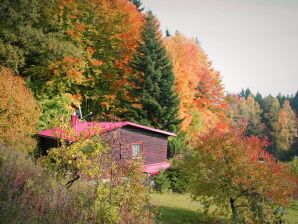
272 117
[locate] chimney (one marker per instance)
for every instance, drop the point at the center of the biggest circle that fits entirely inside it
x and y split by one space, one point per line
74 120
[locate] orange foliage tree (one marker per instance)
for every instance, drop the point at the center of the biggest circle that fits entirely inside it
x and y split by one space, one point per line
197 83
19 112
108 32
237 174
72 47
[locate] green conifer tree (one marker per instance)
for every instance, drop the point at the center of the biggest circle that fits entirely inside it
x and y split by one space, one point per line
154 100
294 103
245 93
259 98
138 4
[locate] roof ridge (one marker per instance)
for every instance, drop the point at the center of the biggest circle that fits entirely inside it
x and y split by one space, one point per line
83 126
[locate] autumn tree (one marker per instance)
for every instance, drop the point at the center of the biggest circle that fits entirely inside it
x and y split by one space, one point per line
272 109
281 122
71 48
108 32
245 112
255 125
152 97
198 85
19 112
184 55
235 173
271 115
210 92
286 127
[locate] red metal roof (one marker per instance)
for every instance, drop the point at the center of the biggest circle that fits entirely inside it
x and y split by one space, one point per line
89 129
154 169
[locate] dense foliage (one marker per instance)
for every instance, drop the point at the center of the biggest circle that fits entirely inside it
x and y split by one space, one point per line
19 112
199 86
74 49
29 194
269 116
236 173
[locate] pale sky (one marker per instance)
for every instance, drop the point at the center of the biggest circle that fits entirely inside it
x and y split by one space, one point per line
253 43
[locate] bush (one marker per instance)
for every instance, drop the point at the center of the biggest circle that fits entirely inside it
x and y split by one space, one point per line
172 179
28 194
177 145
178 180
162 183
19 111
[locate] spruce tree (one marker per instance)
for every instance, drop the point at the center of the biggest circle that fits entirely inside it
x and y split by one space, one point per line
138 4
294 103
245 93
154 101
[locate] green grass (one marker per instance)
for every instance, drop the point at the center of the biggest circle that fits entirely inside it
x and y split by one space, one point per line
180 209
292 214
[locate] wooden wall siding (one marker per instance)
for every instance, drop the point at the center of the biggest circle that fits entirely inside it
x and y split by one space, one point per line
154 144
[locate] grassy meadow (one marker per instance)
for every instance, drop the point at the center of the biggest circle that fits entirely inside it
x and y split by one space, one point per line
178 209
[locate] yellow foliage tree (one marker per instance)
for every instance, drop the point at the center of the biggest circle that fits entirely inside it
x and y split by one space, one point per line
19 112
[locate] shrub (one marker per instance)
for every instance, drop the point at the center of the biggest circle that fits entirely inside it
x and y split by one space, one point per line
19 112
28 194
177 145
178 180
162 183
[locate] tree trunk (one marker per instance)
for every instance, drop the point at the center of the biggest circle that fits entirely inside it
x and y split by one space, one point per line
234 211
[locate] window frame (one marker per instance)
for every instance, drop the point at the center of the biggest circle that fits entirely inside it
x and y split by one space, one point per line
141 149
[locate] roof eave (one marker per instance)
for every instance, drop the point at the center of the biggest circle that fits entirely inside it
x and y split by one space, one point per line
151 129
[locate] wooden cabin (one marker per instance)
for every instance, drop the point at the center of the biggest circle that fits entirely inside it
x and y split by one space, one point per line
141 141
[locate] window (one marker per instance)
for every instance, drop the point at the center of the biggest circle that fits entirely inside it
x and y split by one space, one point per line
136 149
